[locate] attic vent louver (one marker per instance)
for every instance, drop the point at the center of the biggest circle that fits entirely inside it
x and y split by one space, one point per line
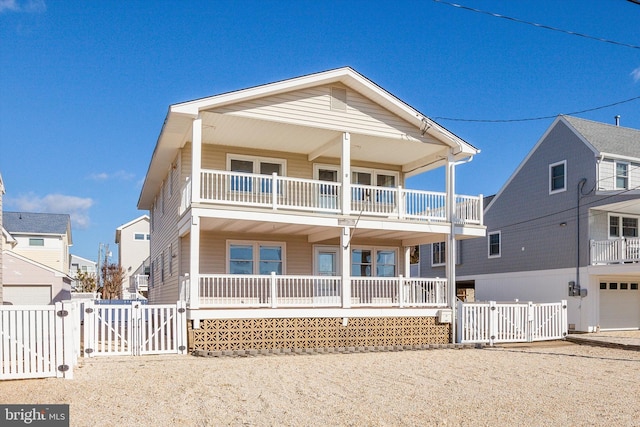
338 99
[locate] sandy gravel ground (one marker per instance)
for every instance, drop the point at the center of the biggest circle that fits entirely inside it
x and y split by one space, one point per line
559 384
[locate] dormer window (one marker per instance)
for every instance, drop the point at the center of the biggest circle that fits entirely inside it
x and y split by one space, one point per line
558 177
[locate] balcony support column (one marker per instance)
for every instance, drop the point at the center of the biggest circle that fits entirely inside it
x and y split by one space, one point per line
345 172
345 246
194 264
196 159
450 261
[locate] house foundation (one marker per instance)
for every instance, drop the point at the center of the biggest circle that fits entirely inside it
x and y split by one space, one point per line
314 333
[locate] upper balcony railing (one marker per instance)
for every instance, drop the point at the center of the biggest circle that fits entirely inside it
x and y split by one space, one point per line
297 194
617 251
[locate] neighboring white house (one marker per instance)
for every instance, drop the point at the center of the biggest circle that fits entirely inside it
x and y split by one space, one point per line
42 237
565 226
133 255
281 213
80 264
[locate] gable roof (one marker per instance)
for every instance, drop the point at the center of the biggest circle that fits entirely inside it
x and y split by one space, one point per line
606 138
123 226
37 223
601 138
178 123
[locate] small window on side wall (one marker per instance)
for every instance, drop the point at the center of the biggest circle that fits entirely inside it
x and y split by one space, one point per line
557 177
494 244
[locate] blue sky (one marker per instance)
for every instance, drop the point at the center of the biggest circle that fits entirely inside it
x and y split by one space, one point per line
85 86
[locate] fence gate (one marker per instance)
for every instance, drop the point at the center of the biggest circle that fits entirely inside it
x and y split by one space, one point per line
134 329
491 322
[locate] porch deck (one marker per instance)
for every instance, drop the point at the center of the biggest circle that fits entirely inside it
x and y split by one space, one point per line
290 291
296 194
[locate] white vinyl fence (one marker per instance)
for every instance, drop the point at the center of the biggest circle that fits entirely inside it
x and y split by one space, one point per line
39 341
492 322
134 329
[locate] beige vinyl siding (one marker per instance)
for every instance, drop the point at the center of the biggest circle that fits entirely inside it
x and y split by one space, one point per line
49 257
164 237
215 157
312 107
213 251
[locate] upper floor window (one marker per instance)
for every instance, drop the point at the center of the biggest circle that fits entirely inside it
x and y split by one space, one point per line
438 252
254 165
494 243
622 175
622 226
138 236
36 241
557 177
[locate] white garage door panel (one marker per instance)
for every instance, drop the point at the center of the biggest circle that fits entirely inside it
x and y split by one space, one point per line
29 295
619 309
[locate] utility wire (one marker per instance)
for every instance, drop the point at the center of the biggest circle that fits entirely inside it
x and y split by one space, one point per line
546 27
453 119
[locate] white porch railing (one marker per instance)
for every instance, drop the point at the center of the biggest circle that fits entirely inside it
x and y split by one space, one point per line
285 193
491 322
273 291
616 251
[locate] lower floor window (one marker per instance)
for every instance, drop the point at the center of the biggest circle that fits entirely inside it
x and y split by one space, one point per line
255 258
364 263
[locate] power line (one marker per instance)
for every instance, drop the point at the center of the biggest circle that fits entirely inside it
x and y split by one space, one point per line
546 27
453 119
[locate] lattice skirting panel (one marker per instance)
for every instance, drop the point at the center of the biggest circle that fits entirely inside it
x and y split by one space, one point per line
294 333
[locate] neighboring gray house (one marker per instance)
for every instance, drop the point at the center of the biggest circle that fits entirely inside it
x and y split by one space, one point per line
564 226
80 264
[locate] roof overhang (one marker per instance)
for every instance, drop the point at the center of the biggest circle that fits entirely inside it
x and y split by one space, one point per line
428 145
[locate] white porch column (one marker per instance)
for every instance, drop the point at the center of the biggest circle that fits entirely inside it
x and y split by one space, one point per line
196 159
345 246
194 263
407 261
345 170
450 261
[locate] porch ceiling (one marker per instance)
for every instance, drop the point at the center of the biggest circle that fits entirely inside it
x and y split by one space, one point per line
313 233
626 207
251 133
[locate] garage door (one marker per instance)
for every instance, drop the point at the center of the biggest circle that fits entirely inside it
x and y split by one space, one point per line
32 294
619 305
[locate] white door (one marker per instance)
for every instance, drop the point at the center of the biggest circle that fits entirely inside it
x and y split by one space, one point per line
27 294
326 265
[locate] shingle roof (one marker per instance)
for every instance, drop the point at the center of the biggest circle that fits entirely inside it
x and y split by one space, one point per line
36 223
609 139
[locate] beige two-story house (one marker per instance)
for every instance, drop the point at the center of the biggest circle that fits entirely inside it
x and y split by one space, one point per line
281 213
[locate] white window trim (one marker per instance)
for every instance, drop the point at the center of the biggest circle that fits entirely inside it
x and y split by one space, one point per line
256 162
431 253
316 251
318 166
139 234
499 233
375 172
615 174
374 250
620 226
256 256
564 186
